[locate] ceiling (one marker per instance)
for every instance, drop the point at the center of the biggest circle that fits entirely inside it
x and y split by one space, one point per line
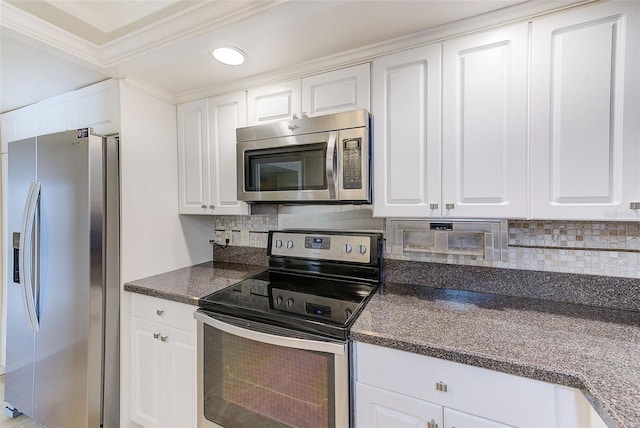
48 47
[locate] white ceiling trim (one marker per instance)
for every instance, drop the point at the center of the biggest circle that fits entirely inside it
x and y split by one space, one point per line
122 13
193 22
42 31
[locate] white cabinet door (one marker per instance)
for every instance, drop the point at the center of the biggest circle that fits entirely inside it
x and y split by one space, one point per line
336 91
406 126
378 408
272 103
194 175
226 113
585 110
146 373
456 419
484 124
179 370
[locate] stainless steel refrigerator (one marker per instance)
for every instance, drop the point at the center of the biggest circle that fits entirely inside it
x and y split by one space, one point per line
62 343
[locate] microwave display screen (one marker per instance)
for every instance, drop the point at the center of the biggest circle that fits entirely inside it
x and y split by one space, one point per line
301 168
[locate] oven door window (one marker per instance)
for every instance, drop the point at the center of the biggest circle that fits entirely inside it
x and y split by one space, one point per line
247 383
277 169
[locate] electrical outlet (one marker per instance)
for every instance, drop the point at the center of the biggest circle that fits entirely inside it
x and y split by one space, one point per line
228 235
244 237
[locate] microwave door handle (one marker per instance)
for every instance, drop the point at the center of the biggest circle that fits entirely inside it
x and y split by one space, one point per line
331 163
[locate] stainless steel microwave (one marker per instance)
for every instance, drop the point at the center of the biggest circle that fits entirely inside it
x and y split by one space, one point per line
321 159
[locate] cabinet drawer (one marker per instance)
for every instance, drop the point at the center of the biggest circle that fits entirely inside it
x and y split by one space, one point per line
499 396
166 312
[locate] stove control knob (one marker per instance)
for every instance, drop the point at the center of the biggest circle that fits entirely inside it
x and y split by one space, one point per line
278 243
347 248
278 300
289 303
289 244
362 249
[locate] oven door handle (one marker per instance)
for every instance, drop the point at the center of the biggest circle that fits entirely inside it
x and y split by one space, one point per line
288 342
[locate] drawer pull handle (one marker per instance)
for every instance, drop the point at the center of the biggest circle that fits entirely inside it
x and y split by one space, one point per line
433 206
634 205
164 338
432 424
442 387
156 335
203 206
449 206
159 312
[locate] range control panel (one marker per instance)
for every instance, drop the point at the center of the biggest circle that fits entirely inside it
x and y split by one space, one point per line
323 246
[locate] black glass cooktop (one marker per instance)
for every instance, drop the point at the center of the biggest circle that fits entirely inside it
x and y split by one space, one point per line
307 303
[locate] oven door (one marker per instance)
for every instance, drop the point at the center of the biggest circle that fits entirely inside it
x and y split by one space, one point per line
288 169
264 376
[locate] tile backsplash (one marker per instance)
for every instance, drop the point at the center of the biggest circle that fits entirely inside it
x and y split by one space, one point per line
583 247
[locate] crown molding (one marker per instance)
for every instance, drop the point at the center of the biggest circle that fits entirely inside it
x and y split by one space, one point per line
148 89
516 13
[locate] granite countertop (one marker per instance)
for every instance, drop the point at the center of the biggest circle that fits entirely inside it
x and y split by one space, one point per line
189 284
594 349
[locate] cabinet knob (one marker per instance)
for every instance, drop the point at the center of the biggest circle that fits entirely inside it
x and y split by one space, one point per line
304 115
164 338
433 206
441 386
432 424
159 312
449 206
212 206
634 205
295 116
156 335
203 206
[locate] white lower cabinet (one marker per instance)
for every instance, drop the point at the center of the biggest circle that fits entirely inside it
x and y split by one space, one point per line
163 363
402 389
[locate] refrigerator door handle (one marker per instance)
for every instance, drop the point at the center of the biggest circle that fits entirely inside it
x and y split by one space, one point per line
26 254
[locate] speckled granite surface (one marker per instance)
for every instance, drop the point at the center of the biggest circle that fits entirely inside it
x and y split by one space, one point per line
189 284
594 290
594 349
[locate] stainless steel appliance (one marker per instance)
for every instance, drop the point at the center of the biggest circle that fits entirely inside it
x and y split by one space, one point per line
318 159
62 345
272 349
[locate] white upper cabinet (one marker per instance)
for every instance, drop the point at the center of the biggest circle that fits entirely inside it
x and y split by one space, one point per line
207 155
476 165
585 113
272 103
226 113
484 124
194 175
98 107
406 133
336 91
332 92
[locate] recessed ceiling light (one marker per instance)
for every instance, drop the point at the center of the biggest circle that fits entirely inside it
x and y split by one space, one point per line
229 55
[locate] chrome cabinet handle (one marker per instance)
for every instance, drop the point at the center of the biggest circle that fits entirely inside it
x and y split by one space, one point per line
164 338
433 206
634 205
441 386
159 312
156 335
449 206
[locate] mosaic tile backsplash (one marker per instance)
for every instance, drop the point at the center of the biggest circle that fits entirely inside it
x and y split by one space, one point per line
583 247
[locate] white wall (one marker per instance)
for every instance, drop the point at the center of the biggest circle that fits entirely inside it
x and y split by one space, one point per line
154 238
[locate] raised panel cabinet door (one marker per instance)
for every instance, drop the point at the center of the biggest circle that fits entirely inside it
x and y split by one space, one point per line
336 91
180 372
585 110
484 134
456 419
406 127
379 408
271 103
194 172
226 113
146 373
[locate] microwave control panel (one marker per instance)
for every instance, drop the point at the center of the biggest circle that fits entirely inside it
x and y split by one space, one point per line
352 163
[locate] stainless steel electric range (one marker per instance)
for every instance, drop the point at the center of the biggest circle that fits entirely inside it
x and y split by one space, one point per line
273 348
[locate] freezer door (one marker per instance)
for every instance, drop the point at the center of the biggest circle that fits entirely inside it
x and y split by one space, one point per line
20 339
